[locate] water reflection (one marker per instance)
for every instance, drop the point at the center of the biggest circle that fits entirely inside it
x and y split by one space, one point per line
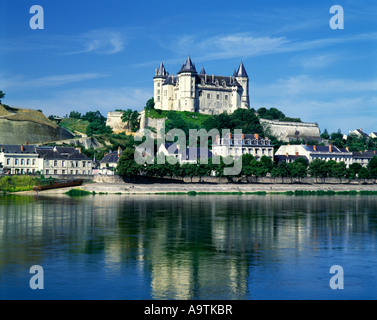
181 247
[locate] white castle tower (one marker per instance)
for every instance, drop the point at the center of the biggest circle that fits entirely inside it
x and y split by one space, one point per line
203 93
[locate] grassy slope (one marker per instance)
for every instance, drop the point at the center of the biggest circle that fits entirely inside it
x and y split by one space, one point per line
18 114
74 125
188 117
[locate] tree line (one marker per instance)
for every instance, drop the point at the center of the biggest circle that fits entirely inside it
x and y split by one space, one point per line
299 168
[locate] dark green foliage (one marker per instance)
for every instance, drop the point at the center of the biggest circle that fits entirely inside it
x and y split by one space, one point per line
372 167
75 115
127 165
150 104
275 114
132 118
97 123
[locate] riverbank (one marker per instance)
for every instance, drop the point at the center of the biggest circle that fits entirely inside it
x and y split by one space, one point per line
201 188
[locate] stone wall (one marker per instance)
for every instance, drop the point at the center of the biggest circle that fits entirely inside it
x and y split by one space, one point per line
289 131
230 179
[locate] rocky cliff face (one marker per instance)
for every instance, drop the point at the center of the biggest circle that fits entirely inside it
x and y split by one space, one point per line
20 125
18 132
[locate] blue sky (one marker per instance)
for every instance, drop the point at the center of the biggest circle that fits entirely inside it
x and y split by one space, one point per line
102 55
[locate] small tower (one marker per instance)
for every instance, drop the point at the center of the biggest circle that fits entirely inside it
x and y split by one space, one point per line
187 86
159 78
243 80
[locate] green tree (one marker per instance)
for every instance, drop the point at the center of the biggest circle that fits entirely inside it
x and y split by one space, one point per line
127 166
325 134
97 127
2 95
75 115
364 173
150 104
353 170
372 167
132 118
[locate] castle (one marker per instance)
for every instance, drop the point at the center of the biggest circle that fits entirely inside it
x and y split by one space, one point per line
203 93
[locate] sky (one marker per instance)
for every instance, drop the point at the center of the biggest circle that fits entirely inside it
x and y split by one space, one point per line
102 55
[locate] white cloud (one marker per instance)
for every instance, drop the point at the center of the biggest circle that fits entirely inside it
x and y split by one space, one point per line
246 45
98 41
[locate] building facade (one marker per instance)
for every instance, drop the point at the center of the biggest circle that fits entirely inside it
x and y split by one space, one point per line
19 159
317 152
64 161
247 143
203 93
29 159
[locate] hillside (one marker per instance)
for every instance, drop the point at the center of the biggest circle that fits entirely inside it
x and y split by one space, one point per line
18 125
76 126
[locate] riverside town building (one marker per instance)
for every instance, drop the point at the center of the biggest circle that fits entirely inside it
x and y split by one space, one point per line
29 159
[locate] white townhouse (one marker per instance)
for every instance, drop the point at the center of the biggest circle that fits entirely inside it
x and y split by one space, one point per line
236 146
19 159
317 152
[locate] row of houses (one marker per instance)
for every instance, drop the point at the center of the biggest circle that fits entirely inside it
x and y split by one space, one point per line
289 153
30 159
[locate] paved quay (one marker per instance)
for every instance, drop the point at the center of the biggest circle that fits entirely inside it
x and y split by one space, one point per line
159 188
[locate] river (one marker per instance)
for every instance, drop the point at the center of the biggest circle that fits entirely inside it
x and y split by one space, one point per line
188 247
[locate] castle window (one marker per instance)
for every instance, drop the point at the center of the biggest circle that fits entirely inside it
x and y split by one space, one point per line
226 97
218 97
165 92
158 84
158 91
158 98
208 96
200 93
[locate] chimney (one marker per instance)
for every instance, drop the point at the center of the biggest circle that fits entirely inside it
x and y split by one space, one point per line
296 153
266 138
22 148
78 149
348 150
119 151
243 136
287 154
330 148
315 148
256 135
230 135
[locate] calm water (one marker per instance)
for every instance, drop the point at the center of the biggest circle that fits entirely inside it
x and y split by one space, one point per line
182 247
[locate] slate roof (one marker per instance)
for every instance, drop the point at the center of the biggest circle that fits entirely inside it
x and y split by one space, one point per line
188 66
241 71
324 149
280 158
211 80
363 155
111 157
21 149
161 71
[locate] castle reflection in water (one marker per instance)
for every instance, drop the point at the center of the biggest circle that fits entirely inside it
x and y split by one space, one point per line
183 247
